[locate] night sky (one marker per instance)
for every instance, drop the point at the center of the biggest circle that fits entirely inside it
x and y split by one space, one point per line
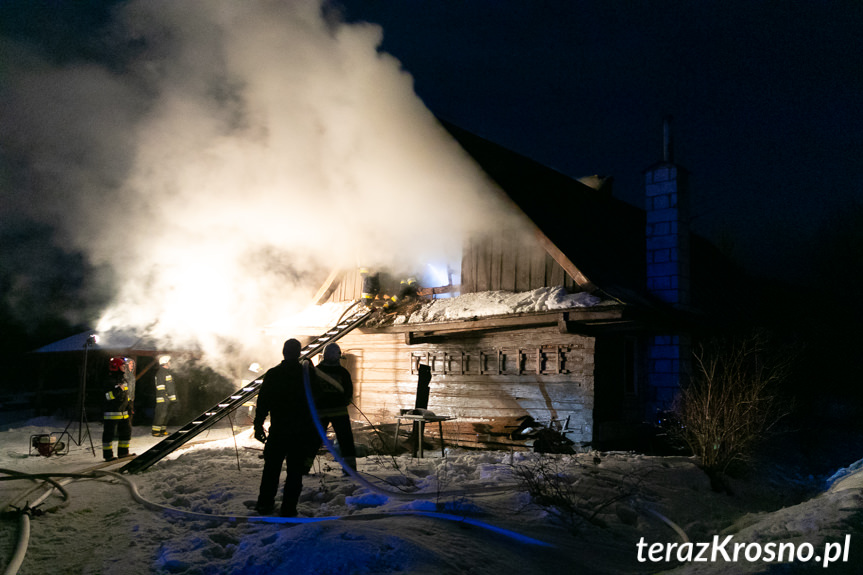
765 99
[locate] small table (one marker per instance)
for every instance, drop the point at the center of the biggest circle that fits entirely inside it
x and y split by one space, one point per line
420 421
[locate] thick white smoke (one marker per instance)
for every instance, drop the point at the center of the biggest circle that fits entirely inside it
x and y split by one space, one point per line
235 154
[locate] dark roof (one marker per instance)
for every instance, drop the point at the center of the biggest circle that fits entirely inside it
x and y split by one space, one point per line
603 236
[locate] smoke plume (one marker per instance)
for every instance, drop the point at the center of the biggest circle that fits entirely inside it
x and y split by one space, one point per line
221 157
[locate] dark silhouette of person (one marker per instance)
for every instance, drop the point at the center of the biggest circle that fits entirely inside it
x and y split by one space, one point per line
333 393
292 438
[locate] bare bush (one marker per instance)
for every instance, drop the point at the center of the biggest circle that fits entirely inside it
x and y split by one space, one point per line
733 399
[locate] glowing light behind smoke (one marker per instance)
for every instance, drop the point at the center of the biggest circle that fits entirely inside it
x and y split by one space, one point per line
437 275
256 146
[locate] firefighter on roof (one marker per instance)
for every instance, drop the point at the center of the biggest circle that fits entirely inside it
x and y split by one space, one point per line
115 417
166 396
371 286
408 290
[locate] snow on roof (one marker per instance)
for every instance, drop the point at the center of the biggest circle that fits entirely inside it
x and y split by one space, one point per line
106 341
482 304
491 303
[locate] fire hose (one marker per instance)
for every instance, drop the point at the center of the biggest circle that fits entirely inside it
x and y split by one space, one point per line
25 514
24 518
27 511
24 522
362 481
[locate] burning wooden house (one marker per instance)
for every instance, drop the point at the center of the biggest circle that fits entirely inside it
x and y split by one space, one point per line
595 368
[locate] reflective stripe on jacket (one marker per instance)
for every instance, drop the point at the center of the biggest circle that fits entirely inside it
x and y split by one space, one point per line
165 388
116 405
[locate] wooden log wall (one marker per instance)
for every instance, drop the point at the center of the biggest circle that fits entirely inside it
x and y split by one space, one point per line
486 381
509 262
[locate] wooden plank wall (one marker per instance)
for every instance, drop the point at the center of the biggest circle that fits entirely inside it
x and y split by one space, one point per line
487 402
349 288
509 262
498 262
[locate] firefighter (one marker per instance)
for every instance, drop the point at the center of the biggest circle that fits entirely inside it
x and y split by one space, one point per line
333 393
292 436
371 286
115 417
408 290
166 397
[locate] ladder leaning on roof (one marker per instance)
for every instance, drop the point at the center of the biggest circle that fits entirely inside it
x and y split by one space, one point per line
207 419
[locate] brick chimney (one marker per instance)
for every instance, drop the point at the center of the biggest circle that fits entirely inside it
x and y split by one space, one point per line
668 278
667 206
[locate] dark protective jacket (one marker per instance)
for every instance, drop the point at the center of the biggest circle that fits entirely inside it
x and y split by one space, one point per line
283 399
329 400
408 290
165 388
116 399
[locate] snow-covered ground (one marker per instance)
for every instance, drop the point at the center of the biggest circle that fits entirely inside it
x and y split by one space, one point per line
467 512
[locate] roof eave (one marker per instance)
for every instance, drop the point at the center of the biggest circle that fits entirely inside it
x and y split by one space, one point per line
574 320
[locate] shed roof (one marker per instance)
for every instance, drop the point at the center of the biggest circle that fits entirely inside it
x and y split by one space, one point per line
126 343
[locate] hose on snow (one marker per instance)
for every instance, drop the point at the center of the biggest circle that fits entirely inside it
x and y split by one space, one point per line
24 516
351 472
21 546
15 475
136 495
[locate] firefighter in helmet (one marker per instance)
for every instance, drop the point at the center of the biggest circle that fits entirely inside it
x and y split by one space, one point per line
116 419
371 286
408 290
166 396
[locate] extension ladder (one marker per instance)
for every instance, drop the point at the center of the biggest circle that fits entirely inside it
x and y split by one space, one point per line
207 419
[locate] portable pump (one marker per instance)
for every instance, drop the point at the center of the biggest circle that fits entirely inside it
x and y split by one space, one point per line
46 444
